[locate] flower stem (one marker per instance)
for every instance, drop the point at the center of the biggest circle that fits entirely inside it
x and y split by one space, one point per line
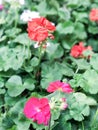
94 119
82 126
16 17
49 127
40 57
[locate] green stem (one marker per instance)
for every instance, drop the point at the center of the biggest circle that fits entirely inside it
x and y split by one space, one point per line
49 125
29 52
16 18
40 57
82 126
94 119
40 54
77 70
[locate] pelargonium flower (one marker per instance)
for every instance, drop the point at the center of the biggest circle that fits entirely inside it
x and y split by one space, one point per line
39 29
1 7
93 14
38 110
27 15
60 86
77 50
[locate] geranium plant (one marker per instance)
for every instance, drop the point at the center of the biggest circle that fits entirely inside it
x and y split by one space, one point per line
48 65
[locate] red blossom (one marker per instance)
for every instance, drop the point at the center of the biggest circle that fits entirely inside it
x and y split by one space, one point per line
93 14
38 110
39 29
77 50
61 86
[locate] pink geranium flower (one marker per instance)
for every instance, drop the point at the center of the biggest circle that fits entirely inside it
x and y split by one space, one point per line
61 86
38 110
1 7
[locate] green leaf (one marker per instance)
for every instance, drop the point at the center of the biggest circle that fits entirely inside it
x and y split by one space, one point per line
66 69
1 101
93 29
77 106
79 31
94 61
22 123
94 123
81 16
29 84
74 3
77 111
82 64
2 91
12 32
65 28
23 39
10 101
1 82
94 43
16 113
11 55
55 114
34 61
44 8
64 14
7 122
63 124
83 99
54 51
50 73
76 81
90 81
14 85
91 101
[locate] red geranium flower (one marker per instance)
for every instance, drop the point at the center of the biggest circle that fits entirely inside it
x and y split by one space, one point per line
57 85
38 110
93 15
77 50
39 29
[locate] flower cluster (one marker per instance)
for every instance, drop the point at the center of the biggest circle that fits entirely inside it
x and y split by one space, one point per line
60 86
93 14
60 104
39 29
38 110
77 50
64 104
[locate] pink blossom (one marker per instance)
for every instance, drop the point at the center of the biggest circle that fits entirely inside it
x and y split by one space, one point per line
38 110
1 7
64 104
61 86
